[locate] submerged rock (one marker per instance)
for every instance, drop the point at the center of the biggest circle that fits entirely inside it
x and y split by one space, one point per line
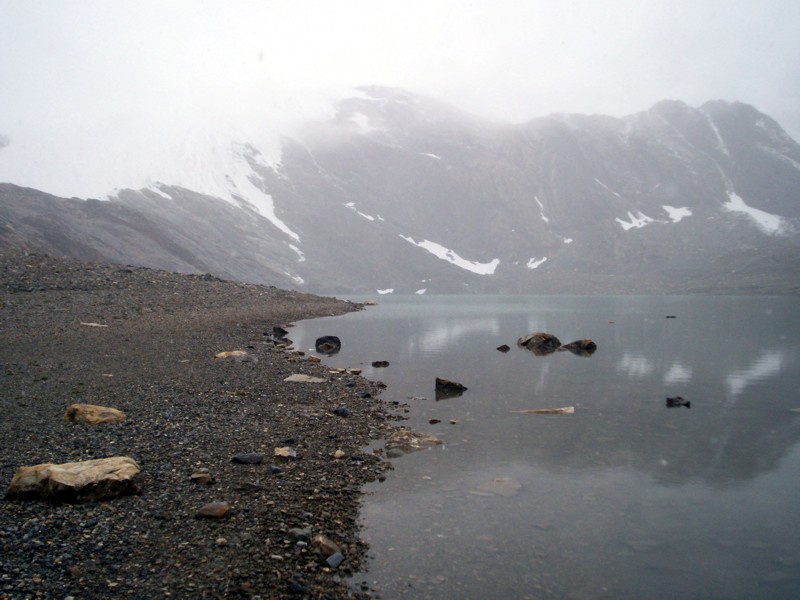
448 389
410 441
328 344
91 414
678 401
564 410
539 343
585 347
86 481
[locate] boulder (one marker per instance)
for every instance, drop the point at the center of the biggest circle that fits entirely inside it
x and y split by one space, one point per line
213 510
91 414
585 347
328 344
504 348
380 364
303 378
539 343
86 481
279 332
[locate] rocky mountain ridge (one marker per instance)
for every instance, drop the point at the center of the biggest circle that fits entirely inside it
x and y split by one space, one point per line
397 192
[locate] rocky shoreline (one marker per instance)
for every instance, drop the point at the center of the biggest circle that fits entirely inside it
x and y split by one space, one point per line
145 342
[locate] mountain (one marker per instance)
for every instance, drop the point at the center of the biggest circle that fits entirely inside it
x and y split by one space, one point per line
400 192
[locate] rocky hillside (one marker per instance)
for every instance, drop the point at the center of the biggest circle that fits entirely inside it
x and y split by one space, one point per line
399 192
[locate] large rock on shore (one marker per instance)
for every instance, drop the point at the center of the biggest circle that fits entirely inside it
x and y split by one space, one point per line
91 414
539 342
86 481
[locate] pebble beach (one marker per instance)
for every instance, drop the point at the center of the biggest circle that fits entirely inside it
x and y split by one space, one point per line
286 458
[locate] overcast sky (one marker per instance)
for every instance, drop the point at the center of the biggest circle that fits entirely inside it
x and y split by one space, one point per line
71 63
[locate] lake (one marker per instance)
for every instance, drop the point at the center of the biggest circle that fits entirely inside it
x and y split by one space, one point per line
625 498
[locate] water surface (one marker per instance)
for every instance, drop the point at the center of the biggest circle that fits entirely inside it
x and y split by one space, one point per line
625 498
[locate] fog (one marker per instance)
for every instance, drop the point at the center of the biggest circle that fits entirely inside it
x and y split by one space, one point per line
101 82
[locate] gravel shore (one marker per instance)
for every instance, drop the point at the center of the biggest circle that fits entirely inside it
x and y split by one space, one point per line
144 342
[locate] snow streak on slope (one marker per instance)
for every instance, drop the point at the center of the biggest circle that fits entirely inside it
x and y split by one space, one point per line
767 222
440 251
535 262
638 220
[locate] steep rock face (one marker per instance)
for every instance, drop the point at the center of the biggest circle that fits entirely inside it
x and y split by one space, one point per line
399 192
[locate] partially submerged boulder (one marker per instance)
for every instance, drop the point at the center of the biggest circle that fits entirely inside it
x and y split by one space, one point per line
678 401
92 414
539 342
86 481
448 389
328 344
584 347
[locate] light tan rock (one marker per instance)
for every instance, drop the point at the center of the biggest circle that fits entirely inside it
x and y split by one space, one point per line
314 359
213 510
564 410
85 481
324 545
237 355
92 414
303 378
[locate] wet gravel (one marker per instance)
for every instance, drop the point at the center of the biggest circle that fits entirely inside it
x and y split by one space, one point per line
144 342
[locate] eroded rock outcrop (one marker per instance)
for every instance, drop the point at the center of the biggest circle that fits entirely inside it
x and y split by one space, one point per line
539 342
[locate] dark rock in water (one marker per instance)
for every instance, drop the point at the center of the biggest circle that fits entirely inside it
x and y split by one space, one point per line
251 458
539 343
504 348
448 389
380 364
328 344
341 411
279 332
671 317
585 347
678 401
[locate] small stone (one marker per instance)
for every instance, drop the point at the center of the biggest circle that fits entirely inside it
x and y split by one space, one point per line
221 541
250 458
380 364
364 395
298 534
342 411
354 371
325 546
237 355
275 470
314 359
434 421
286 452
202 477
504 348
213 510
334 560
339 454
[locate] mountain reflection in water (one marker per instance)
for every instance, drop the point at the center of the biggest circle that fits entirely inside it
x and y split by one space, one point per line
623 498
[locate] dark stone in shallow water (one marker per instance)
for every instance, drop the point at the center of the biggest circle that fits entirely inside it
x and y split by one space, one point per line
328 344
678 401
504 348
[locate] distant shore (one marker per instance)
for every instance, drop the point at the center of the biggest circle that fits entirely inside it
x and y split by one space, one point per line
144 342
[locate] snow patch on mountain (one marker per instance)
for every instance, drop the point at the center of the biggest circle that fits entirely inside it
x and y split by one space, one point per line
637 220
386 291
352 206
779 156
568 240
431 155
362 123
541 209
535 262
300 256
766 222
421 291
676 214
154 188
606 187
451 256
720 142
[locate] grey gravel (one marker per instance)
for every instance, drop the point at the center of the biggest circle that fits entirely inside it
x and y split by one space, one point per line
186 412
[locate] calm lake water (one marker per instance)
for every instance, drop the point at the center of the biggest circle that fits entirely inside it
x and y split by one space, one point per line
625 498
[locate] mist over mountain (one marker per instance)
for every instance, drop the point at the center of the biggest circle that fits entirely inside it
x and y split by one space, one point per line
398 192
